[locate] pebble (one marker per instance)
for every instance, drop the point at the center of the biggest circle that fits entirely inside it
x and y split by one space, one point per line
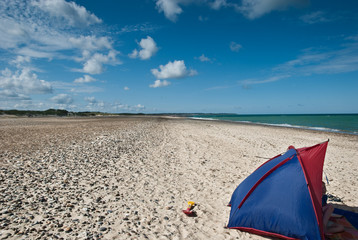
66 189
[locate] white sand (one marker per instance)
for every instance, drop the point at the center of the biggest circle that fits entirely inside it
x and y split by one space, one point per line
130 178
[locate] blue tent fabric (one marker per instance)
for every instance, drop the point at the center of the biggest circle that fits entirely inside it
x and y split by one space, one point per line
280 204
352 217
251 180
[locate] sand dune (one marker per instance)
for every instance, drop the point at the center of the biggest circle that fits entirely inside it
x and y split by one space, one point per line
130 177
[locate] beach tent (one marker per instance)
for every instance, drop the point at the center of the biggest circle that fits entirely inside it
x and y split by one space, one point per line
283 197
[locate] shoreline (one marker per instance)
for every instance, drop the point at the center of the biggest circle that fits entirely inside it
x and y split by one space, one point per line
317 129
173 117
131 177
169 116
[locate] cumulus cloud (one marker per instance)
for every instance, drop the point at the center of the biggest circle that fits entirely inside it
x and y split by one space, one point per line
63 99
251 9
74 14
94 64
217 4
139 107
91 100
159 83
93 58
149 48
20 60
170 8
235 47
97 105
203 58
176 69
23 81
85 79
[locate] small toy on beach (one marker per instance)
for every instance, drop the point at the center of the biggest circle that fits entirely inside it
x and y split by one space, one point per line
189 211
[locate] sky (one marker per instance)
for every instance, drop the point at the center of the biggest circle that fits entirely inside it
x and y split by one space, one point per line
180 56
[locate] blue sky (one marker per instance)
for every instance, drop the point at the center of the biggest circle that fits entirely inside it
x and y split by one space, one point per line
158 56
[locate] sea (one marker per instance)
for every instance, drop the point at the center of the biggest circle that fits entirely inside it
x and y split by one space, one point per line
341 123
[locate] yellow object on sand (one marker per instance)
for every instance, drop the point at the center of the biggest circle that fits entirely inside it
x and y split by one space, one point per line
191 204
189 211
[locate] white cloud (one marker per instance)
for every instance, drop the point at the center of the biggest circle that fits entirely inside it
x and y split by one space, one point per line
93 60
94 65
48 29
138 107
98 105
74 14
8 94
159 83
203 58
203 19
20 60
91 43
23 104
85 79
176 69
354 38
12 33
251 9
217 4
314 17
328 62
142 27
149 48
75 88
86 89
256 8
35 53
170 8
62 98
248 82
23 81
25 28
91 100
126 88
235 47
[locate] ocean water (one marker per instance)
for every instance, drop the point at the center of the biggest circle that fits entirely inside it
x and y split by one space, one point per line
344 123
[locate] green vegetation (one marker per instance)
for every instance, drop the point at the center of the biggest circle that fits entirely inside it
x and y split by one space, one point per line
64 113
29 113
59 113
49 112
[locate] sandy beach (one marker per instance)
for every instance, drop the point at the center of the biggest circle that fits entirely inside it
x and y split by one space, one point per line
131 177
